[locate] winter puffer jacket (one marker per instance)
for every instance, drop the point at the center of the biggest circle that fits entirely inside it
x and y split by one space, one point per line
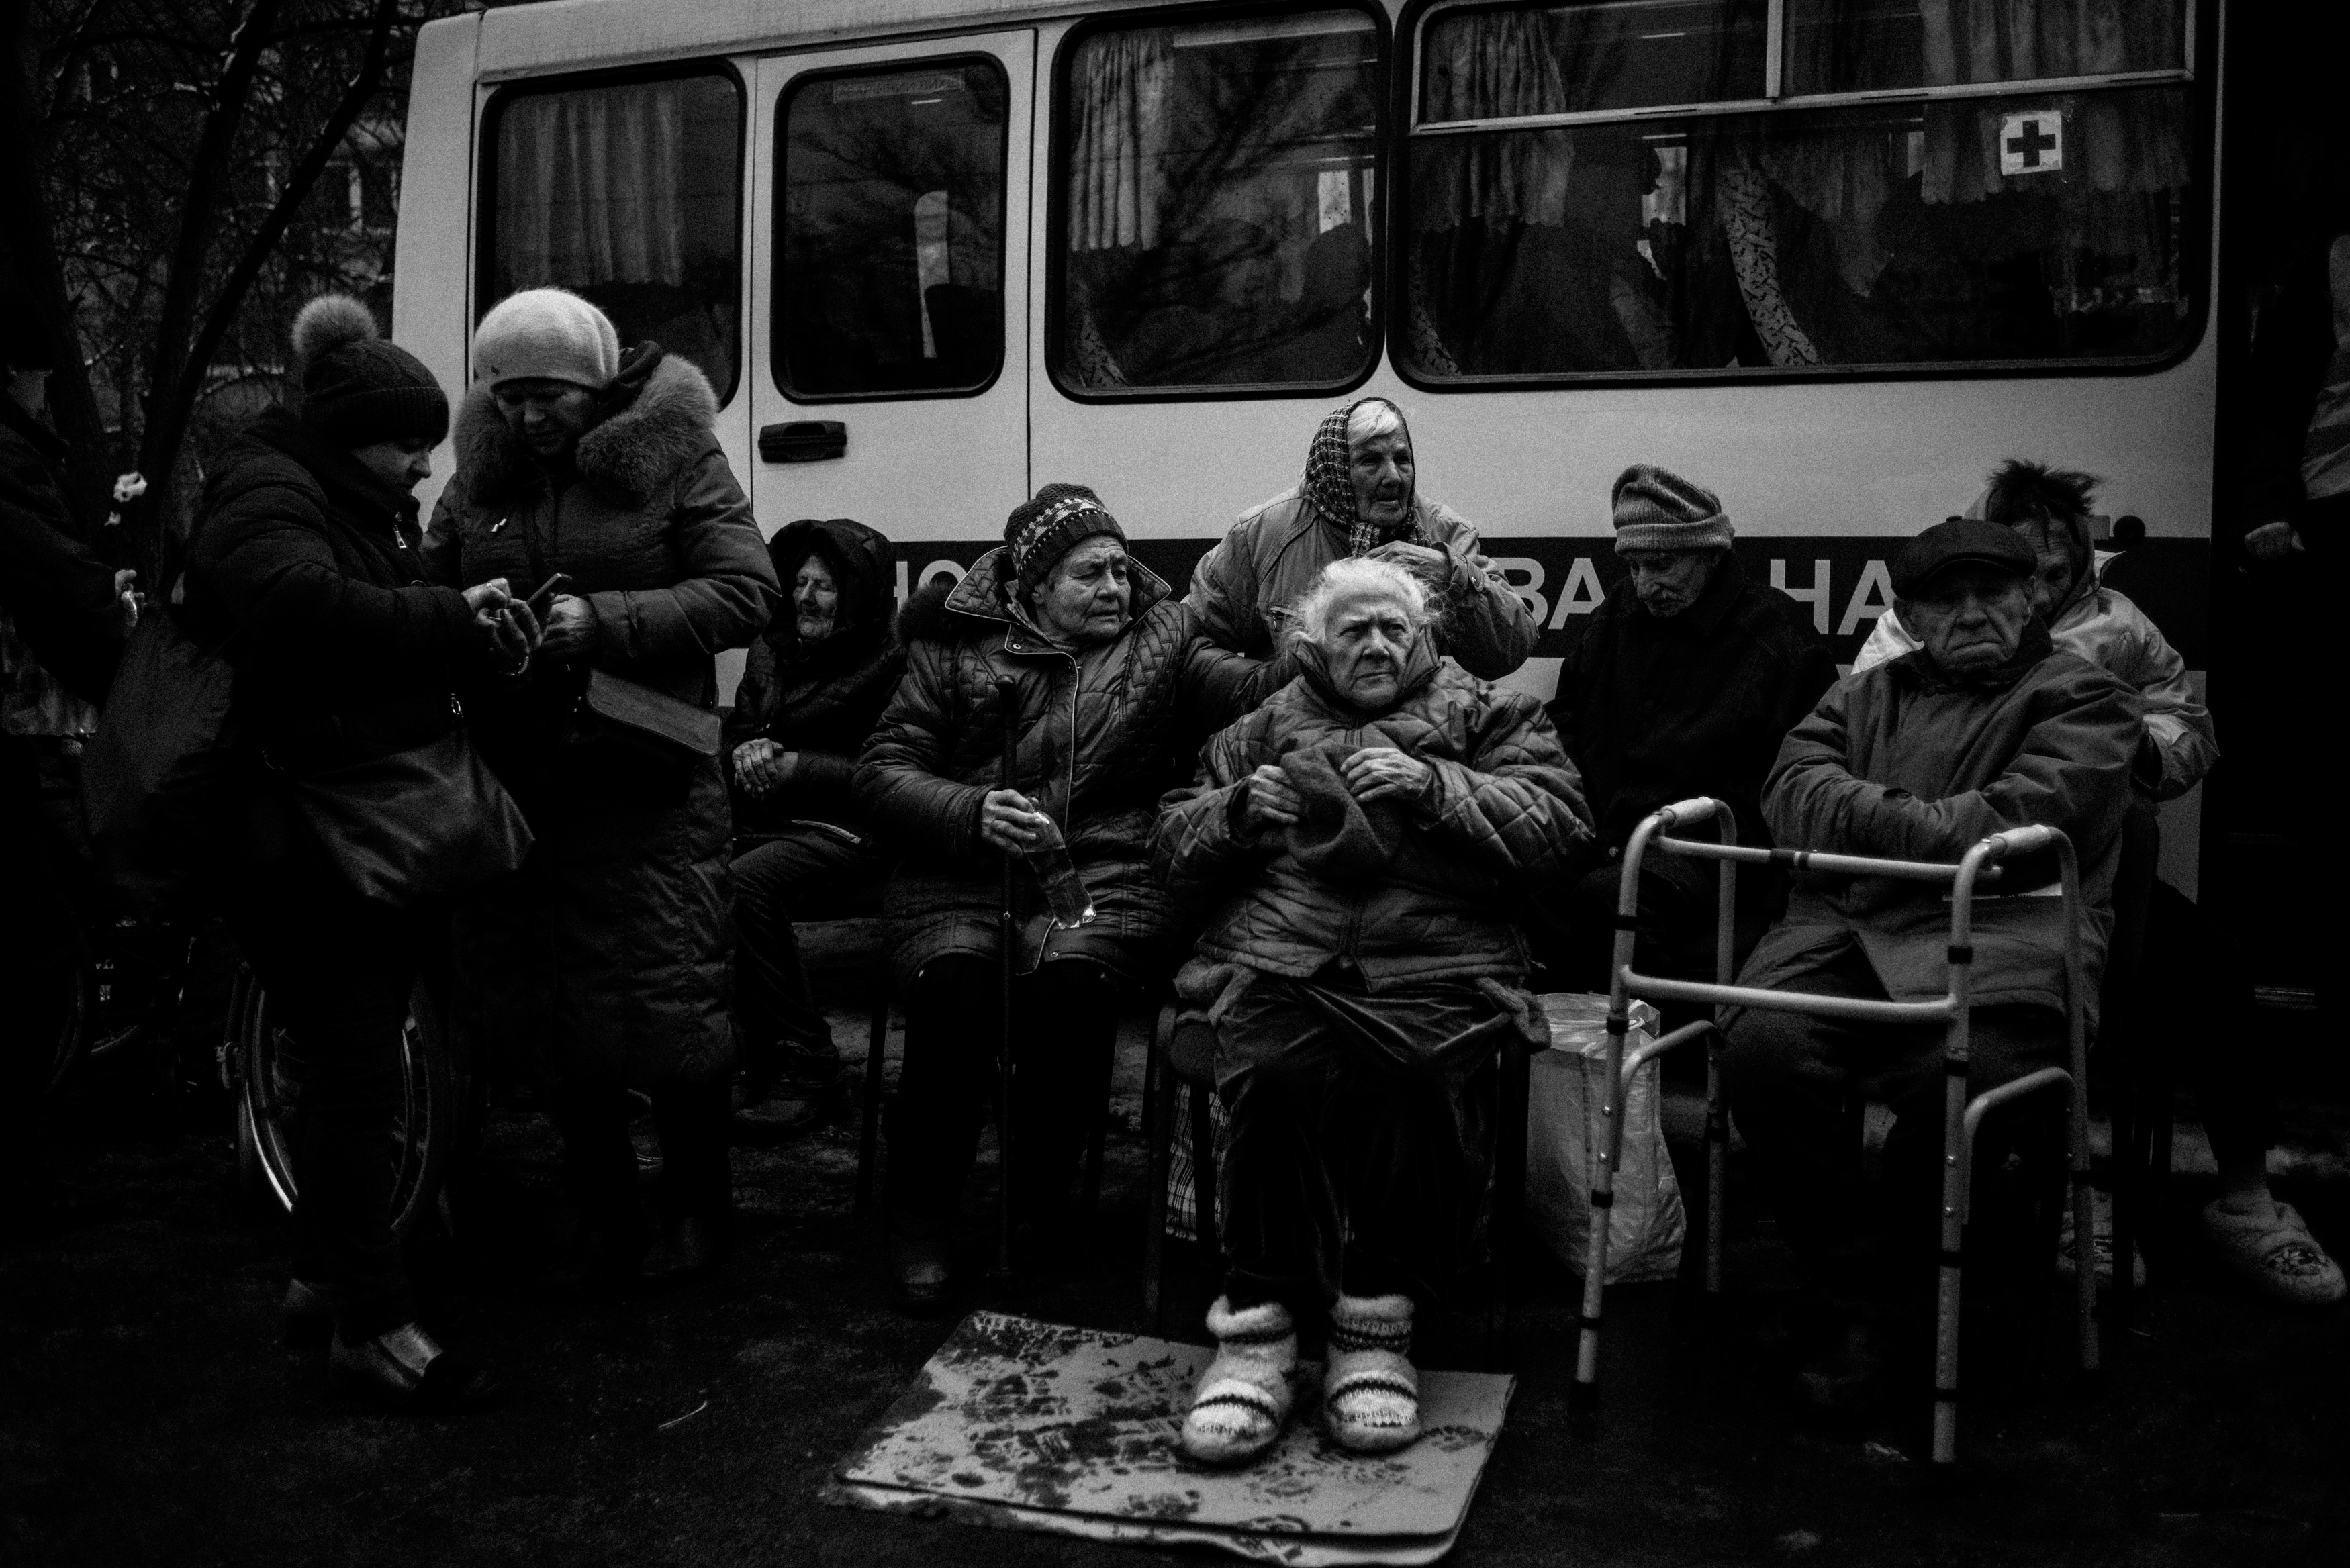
820 700
1899 761
1098 733
1502 815
308 567
609 957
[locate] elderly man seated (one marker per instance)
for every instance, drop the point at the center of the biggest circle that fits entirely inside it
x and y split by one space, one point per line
1682 683
1360 835
1985 726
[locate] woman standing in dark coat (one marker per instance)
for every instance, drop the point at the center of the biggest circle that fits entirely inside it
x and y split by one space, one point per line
1103 661
811 693
608 955
305 564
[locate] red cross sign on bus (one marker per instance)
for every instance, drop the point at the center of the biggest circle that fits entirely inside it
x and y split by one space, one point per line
2031 143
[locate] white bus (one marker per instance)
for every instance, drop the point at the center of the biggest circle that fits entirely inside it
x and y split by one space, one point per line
1831 258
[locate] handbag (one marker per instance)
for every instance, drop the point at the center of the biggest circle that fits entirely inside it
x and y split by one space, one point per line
650 720
418 825
159 779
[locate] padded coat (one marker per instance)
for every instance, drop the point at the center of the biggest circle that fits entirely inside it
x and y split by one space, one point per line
1898 761
1097 736
607 957
1502 815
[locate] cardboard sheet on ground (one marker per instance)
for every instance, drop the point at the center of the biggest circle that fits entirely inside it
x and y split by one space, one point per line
1032 1426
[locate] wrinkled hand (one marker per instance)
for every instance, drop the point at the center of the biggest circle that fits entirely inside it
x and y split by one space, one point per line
127 600
1433 567
1272 801
1007 821
2273 542
1382 772
762 767
506 623
570 626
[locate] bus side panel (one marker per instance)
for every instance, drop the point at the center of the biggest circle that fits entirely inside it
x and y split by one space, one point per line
434 258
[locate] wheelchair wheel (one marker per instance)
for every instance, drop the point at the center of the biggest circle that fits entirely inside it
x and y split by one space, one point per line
72 1045
268 1082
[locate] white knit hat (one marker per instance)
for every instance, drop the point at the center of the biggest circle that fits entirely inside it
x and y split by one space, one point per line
546 332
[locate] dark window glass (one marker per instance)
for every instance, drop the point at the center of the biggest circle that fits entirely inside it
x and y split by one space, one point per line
1953 230
890 277
1219 207
1868 46
629 194
1571 59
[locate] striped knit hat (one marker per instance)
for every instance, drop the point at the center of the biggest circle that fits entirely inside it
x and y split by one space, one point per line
1657 510
1041 531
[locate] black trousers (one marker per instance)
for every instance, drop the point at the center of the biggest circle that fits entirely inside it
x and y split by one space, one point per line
1066 1018
340 970
1361 1136
805 875
599 1161
1870 1249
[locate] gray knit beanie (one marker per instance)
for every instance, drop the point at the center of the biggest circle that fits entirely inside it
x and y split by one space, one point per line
1658 510
547 334
357 388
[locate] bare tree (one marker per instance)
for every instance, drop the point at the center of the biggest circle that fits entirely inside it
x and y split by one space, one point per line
171 161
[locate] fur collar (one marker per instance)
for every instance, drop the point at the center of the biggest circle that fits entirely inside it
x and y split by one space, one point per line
669 423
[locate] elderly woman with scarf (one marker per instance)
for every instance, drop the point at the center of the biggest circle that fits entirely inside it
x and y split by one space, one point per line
597 476
1360 496
2157 930
1105 669
1361 836
813 689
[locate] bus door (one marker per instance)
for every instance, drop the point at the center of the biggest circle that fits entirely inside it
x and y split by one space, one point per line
890 285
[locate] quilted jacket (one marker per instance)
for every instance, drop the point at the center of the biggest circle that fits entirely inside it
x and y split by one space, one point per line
1502 815
1899 762
1097 737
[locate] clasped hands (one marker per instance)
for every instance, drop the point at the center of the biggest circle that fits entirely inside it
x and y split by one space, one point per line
762 767
1373 774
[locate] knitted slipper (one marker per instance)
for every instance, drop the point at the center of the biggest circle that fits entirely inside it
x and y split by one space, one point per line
1370 1393
2274 1254
1244 1397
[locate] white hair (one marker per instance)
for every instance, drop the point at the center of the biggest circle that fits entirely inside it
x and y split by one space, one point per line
1372 417
1355 577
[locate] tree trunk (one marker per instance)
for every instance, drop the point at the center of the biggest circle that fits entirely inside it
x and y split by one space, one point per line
90 457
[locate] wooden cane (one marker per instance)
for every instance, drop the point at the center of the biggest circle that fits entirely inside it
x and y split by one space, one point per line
1007 695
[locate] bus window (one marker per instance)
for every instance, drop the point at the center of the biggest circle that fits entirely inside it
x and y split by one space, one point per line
889 273
629 194
1621 188
1216 221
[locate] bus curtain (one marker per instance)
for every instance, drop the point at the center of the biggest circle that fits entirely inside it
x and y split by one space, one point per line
1123 83
588 186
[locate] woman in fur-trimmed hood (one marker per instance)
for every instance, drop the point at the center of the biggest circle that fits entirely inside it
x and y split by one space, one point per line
607 958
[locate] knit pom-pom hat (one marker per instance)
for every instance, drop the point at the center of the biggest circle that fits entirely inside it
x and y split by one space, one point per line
1042 530
1658 510
547 334
357 388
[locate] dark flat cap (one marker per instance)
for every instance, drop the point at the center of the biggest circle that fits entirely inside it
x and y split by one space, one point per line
1962 541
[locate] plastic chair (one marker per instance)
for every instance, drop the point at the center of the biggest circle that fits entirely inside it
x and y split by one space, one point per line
1962 1115
1183 1050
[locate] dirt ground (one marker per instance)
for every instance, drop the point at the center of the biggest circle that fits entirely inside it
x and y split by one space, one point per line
148 1415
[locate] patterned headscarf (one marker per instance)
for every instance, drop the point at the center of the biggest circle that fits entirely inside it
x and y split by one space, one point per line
1330 487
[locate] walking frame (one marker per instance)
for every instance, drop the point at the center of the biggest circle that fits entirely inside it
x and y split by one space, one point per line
1961 1117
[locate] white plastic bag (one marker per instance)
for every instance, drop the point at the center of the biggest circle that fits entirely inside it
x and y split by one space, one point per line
1566 1133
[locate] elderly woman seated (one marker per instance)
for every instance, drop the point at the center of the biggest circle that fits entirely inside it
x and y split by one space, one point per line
1361 836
